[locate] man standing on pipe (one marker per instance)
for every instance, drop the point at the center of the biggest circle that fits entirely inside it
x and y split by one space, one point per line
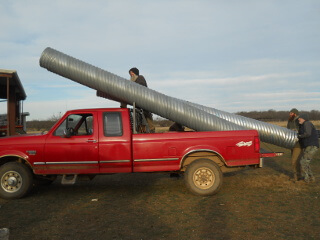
308 139
135 77
293 124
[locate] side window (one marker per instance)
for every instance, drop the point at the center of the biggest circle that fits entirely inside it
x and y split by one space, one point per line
112 124
81 124
86 127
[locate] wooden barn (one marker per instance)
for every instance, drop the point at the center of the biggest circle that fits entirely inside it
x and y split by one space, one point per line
12 118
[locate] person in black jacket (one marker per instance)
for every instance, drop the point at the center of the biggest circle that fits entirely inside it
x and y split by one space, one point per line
309 142
137 78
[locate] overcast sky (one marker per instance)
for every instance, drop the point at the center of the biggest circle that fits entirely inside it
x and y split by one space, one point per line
231 55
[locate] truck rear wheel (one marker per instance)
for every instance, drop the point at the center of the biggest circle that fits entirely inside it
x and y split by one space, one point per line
203 177
15 180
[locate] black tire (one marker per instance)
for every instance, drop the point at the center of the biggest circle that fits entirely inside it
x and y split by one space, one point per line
15 180
203 177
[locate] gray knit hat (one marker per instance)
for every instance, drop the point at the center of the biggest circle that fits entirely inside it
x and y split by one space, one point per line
294 110
304 116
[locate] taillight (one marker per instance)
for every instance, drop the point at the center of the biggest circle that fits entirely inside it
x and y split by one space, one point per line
256 144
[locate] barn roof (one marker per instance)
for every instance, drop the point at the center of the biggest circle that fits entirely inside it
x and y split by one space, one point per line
14 81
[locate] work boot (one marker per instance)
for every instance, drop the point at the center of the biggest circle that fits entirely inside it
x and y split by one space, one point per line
312 179
295 177
307 180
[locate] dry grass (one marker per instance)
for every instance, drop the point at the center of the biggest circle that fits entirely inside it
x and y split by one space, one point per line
284 123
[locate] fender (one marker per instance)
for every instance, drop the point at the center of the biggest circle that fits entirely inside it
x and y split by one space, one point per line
195 149
198 148
15 153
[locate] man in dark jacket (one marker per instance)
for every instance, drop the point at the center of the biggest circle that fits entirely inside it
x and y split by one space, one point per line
309 142
135 77
293 124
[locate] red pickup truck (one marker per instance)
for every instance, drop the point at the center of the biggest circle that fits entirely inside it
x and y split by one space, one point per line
101 141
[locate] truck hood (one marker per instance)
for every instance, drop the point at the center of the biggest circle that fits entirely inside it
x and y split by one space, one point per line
22 139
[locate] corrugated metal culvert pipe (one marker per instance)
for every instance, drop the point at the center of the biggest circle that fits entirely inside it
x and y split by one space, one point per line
194 116
268 132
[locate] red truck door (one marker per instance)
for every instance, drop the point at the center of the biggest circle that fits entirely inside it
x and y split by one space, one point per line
115 150
77 153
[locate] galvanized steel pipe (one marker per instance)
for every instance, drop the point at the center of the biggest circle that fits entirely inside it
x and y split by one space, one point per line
194 116
268 132
126 91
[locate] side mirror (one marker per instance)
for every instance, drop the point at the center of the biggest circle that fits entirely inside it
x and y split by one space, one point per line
68 132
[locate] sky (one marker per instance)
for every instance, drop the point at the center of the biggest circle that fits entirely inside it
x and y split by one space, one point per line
231 55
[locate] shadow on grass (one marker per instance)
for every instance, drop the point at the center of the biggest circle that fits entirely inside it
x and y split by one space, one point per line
120 206
274 164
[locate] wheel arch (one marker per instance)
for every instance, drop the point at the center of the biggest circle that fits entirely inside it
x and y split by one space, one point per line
193 155
15 158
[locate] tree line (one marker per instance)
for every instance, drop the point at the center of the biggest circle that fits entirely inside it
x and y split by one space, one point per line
272 115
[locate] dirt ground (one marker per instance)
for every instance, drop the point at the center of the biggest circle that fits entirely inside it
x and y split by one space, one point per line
252 204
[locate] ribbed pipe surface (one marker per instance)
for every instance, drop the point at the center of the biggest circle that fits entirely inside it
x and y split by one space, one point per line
268 132
194 116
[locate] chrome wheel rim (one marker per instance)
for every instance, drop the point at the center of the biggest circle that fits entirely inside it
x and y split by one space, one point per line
204 178
11 181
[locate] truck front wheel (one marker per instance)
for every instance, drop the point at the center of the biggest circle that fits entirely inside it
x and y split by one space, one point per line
203 177
15 180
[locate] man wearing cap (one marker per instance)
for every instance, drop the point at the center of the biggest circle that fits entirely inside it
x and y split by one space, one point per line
293 124
308 139
135 77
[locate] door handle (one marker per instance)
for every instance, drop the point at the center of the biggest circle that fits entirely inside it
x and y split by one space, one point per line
91 141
